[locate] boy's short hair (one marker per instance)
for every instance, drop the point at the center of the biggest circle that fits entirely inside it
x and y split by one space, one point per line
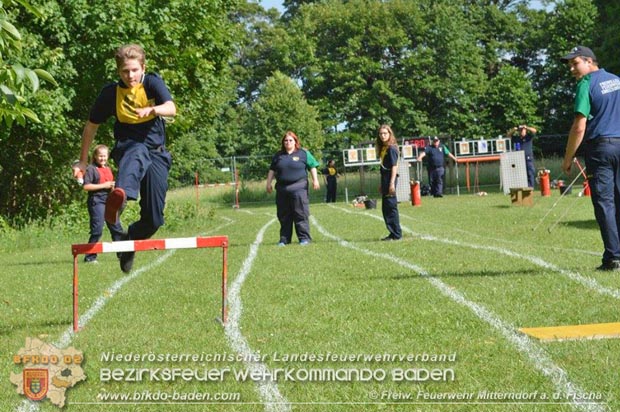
128 52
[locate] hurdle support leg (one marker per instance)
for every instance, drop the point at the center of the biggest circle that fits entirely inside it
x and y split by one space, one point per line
151 244
224 284
75 293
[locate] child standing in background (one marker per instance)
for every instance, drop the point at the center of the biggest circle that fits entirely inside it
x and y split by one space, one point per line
330 175
387 147
98 181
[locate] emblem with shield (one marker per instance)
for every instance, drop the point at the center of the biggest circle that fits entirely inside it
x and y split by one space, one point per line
35 383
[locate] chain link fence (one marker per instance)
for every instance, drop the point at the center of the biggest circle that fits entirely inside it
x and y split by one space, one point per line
239 180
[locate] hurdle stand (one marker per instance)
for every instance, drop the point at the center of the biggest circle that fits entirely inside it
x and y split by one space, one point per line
151 244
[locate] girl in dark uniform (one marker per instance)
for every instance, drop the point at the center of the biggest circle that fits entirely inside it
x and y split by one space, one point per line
98 181
290 168
387 148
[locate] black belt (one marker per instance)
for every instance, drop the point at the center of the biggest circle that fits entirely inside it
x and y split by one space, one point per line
599 140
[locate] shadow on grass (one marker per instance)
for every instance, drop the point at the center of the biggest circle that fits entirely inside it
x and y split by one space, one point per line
64 260
582 224
477 273
35 325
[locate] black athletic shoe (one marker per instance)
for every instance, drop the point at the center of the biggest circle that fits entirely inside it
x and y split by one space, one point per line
126 260
388 238
610 265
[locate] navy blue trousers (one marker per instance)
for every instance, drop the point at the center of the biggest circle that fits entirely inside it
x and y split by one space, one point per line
603 169
330 196
293 208
531 171
389 208
143 172
435 176
96 207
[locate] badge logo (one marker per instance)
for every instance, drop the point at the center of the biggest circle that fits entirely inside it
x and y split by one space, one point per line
35 383
47 372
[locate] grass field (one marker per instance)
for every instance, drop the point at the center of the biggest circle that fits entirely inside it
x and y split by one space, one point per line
347 323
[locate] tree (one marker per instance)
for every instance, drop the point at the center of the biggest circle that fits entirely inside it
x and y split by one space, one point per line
279 108
417 65
16 81
189 43
511 100
28 180
572 22
607 36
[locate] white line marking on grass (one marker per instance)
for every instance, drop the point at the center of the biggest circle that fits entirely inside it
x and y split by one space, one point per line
512 242
268 391
586 281
101 301
249 212
66 338
523 343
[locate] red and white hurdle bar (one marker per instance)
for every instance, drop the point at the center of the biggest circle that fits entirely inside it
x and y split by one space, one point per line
151 244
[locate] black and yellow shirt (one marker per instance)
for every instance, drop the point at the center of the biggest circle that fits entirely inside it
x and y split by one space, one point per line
121 101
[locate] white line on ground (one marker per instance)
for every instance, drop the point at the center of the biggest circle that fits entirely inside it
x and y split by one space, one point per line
101 301
67 336
588 282
268 391
525 345
510 242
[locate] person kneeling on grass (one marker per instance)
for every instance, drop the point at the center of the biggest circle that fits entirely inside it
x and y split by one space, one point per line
138 101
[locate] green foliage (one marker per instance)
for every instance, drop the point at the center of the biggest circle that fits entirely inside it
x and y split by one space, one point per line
607 37
17 83
416 65
572 23
188 43
512 85
330 70
280 107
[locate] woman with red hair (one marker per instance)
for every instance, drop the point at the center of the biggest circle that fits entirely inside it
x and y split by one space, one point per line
290 167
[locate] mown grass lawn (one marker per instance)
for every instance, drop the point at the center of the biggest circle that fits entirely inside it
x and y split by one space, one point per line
451 296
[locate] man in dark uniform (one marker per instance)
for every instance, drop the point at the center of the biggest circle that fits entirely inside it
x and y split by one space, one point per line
138 103
522 137
435 162
597 125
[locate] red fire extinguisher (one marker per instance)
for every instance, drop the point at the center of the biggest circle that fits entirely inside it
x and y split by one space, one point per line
586 189
545 186
416 198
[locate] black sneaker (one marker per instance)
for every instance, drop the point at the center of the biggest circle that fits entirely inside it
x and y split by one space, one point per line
610 265
126 260
387 238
